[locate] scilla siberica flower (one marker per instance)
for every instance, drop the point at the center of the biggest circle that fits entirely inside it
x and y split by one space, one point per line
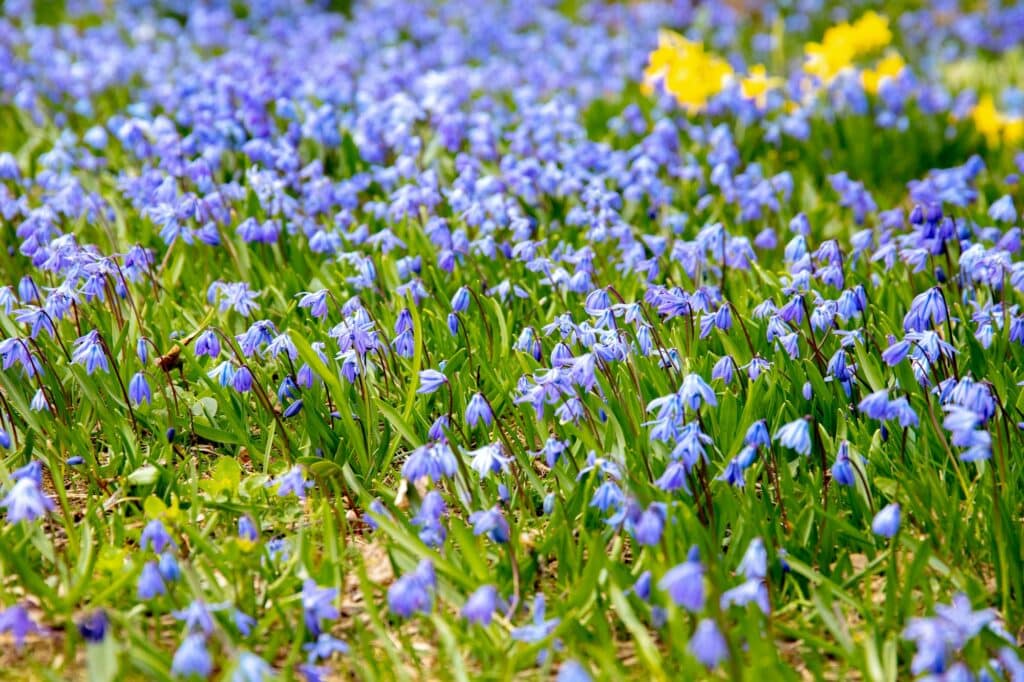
16 621
695 390
26 501
292 482
88 352
492 523
412 593
886 521
708 645
431 380
488 460
842 469
685 583
478 410
481 605
251 668
192 657
317 605
796 435
138 389
573 671
541 627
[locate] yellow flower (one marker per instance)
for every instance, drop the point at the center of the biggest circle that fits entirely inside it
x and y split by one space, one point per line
757 85
686 70
995 126
890 66
1013 130
869 33
843 43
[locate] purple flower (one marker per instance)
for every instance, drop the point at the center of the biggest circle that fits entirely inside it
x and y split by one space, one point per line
478 410
26 501
192 657
842 469
1002 210
317 605
155 536
88 352
292 482
685 583
19 624
708 645
431 380
927 310
412 592
151 582
695 390
492 523
886 521
481 605
541 628
796 435
93 627
138 389
572 671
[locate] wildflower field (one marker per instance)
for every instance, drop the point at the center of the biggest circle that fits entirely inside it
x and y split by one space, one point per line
495 340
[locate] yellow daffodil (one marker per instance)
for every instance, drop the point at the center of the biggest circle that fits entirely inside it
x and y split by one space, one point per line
891 66
757 85
688 72
845 42
995 126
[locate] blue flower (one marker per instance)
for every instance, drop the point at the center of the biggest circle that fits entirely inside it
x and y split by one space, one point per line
316 302
927 307
138 389
572 671
208 344
19 624
93 627
26 501
460 301
695 390
488 460
88 351
540 629
1002 210
481 605
197 616
492 523
757 435
648 526
433 460
192 658
151 582
754 564
796 435
753 590
291 482
325 646
242 380
251 668
708 645
411 593
886 521
317 605
685 583
842 469
431 380
876 405
155 536
478 410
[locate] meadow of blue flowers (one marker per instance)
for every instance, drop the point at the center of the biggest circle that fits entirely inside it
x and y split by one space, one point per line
511 340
